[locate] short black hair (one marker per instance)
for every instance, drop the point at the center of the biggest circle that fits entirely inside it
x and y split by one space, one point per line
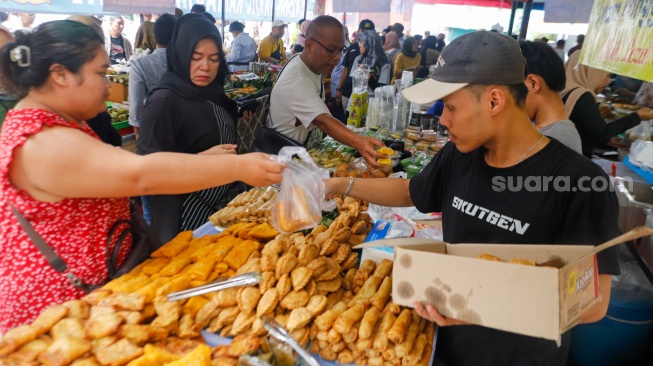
561 43
297 48
198 8
543 61
163 29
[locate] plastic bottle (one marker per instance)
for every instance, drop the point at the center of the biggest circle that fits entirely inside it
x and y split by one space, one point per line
358 108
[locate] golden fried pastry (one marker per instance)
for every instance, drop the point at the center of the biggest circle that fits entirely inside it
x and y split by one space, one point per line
30 351
268 302
329 246
294 250
342 253
282 319
307 253
316 304
318 265
227 317
284 285
242 323
68 328
188 328
368 322
332 271
208 312
242 344
380 298
327 318
414 329
63 351
248 299
368 290
226 298
253 264
417 352
49 317
102 325
334 298
348 318
294 300
329 286
348 279
489 257
311 288
397 332
257 328
342 235
124 301
383 269
522 261
345 357
77 309
240 253
87 361
328 355
269 261
275 246
380 335
200 356
300 277
285 265
225 361
359 227
298 318
322 237
300 335
264 232
268 281
333 336
318 229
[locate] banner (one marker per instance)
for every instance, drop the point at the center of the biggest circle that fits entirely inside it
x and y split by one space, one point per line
255 10
619 38
565 11
361 6
53 6
140 6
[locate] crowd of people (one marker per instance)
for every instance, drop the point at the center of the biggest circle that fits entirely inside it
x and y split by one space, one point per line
511 109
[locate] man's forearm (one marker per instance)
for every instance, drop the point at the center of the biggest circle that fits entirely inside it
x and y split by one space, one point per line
335 129
390 192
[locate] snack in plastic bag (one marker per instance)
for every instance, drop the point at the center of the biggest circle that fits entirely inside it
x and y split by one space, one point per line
300 201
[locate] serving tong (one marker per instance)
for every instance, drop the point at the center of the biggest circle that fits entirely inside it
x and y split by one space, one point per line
246 279
281 334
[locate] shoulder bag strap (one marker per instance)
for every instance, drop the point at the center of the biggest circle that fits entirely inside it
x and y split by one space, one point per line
53 259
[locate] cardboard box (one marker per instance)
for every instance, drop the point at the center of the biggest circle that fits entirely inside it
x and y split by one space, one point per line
118 93
536 301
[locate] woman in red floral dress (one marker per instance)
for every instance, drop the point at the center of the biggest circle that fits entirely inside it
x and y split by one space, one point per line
64 180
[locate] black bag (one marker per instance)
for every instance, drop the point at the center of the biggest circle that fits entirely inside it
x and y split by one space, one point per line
269 141
143 244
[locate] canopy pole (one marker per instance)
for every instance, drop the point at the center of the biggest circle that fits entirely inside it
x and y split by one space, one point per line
515 3
223 21
528 6
305 8
273 3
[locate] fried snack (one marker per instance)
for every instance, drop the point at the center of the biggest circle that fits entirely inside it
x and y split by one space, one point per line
337 347
348 318
102 343
253 264
295 213
175 246
49 317
307 253
242 323
390 353
294 299
414 329
124 301
208 312
489 257
119 353
269 261
63 351
333 336
367 323
348 279
380 342
380 298
223 247
240 253
328 355
391 307
311 288
268 302
417 352
298 318
398 330
383 269
329 246
88 361
225 361
331 272
225 317
334 297
178 283
202 269
200 356
318 265
317 304
30 351
176 264
285 265
522 261
284 285
300 277
242 344
77 309
155 265
268 281
226 298
275 246
188 328
247 299
342 253
368 290
68 328
102 325
263 232
326 320
168 313
329 286
194 305
136 333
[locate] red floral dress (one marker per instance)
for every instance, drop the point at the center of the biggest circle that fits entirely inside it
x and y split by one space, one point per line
76 228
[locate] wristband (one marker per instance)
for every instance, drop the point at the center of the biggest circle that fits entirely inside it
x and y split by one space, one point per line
351 184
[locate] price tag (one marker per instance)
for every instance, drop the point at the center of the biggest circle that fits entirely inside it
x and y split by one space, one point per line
248 76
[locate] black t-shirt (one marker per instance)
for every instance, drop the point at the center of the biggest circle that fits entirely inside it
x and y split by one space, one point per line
352 52
591 126
117 51
101 125
475 209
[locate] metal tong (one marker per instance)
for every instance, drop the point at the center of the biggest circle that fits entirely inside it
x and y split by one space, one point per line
246 279
281 334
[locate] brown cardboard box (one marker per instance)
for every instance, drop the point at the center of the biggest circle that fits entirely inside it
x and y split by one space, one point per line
118 93
541 302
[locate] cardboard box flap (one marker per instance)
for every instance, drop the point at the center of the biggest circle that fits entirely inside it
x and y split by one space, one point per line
633 234
397 242
533 252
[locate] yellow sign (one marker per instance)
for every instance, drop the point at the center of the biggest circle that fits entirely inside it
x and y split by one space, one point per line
620 38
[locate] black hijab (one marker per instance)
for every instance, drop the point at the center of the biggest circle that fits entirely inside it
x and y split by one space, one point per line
191 29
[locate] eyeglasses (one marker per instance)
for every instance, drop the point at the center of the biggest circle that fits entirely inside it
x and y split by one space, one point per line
331 53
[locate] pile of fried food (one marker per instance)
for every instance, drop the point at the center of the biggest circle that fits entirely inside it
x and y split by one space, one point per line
358 168
555 262
250 206
129 320
368 328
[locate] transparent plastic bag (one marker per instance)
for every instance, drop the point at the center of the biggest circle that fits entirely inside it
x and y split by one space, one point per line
300 201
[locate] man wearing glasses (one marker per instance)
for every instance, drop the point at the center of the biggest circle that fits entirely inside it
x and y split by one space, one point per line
297 107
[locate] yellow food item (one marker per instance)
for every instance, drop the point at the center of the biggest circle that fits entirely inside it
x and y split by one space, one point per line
385 161
385 151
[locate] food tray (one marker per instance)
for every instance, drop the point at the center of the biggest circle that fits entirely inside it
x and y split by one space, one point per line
120 125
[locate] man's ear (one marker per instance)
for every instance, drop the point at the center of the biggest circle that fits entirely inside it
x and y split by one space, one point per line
533 83
59 74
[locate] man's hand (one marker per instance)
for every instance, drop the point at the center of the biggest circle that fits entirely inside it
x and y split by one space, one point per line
366 146
429 313
220 149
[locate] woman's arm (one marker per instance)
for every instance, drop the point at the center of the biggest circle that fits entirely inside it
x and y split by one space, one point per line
587 117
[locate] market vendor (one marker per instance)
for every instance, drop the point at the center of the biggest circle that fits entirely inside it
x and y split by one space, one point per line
243 48
272 49
70 186
480 79
297 102
118 46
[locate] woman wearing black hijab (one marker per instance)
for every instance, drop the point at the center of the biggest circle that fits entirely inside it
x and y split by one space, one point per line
188 112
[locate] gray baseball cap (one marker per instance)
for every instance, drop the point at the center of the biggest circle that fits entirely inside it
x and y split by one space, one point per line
482 57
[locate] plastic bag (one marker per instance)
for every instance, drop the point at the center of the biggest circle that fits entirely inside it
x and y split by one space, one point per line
300 201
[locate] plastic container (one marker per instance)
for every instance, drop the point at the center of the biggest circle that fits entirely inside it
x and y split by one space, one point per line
621 338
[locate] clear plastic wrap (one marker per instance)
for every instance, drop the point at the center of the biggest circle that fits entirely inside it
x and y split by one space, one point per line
300 201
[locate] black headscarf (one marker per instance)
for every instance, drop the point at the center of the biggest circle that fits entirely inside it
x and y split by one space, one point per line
407 47
191 29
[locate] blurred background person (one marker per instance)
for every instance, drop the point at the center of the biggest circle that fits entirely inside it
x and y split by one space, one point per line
271 48
407 60
428 56
145 34
243 48
117 45
303 27
560 48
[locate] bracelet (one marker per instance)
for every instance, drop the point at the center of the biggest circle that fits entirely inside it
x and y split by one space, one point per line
351 184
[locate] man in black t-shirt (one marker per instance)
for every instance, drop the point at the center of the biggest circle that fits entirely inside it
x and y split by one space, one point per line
498 181
345 85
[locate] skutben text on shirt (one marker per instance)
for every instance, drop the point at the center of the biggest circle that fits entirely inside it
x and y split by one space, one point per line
491 217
